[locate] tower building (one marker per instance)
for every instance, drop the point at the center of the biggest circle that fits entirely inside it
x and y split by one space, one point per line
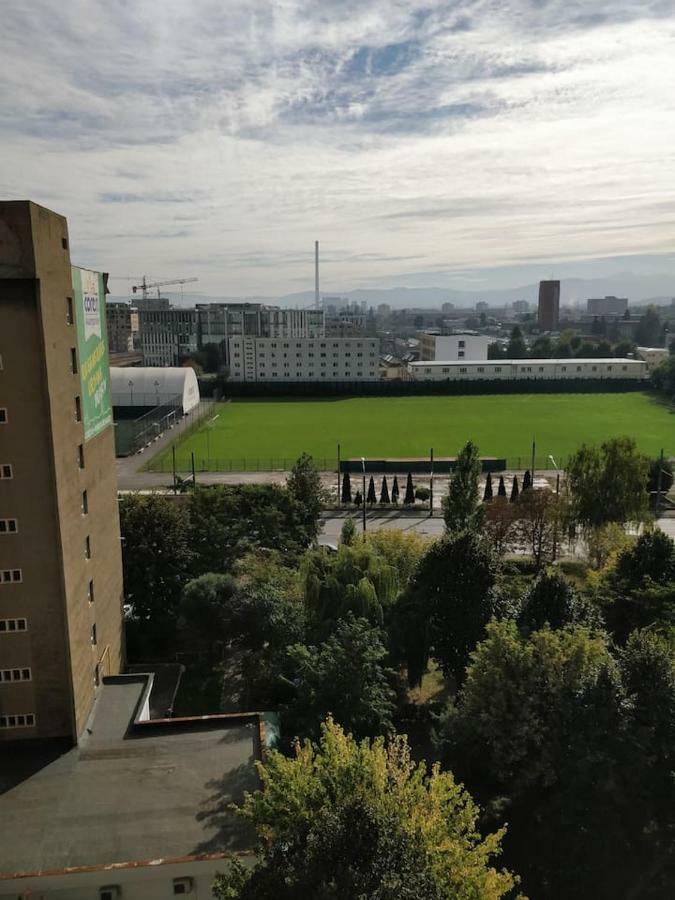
549 305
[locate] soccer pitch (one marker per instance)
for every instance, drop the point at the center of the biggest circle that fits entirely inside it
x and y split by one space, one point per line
252 434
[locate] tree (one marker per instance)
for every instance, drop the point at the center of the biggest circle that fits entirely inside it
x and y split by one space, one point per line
542 348
516 348
514 489
607 483
487 493
344 820
304 485
539 524
501 490
651 558
500 526
447 605
648 331
665 481
348 532
409 498
527 481
372 496
496 350
346 496
461 506
345 676
663 378
394 491
204 612
551 600
358 499
606 542
400 550
384 493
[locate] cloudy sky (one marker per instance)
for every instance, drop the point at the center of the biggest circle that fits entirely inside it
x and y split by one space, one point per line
421 142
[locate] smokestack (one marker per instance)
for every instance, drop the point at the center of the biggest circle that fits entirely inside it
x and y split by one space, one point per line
316 275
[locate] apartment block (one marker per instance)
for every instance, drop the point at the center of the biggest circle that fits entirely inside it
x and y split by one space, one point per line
548 310
453 347
123 328
60 555
167 335
304 359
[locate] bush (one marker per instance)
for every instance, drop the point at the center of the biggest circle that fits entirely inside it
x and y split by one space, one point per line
422 493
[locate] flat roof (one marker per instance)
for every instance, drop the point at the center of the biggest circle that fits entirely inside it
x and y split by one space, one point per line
132 791
522 362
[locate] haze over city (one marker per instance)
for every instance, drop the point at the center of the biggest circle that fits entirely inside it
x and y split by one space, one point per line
475 145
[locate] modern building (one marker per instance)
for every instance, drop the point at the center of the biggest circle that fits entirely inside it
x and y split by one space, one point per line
150 387
514 369
548 315
606 306
521 307
60 558
141 810
304 359
167 335
653 356
462 345
123 328
292 323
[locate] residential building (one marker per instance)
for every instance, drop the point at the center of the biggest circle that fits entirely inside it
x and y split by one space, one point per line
462 345
60 558
653 356
518 369
123 328
292 323
167 335
304 359
548 315
218 322
606 306
521 307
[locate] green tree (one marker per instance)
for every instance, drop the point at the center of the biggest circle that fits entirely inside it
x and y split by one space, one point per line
514 489
551 600
346 489
501 490
461 505
409 498
345 676
516 348
361 821
608 483
487 493
395 491
651 558
542 348
304 485
348 532
663 378
358 499
372 496
384 493
527 480
649 329
203 611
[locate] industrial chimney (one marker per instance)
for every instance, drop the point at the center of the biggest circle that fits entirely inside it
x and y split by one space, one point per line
316 275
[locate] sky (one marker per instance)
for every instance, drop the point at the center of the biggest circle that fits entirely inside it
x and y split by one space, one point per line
461 144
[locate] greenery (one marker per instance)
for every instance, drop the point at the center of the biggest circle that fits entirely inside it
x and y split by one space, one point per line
502 427
461 509
360 821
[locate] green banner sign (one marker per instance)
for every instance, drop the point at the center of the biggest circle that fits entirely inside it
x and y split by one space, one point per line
92 349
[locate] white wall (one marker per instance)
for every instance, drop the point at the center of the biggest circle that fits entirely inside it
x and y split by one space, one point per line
509 370
462 346
304 359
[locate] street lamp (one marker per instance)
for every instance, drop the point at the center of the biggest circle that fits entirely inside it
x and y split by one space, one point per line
131 392
363 467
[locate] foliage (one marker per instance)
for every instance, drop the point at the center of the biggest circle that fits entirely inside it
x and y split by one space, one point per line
358 499
384 493
651 558
500 527
515 491
203 611
422 493
487 493
372 496
344 676
350 821
516 348
409 491
346 495
348 532
401 550
395 490
539 524
666 470
461 505
663 378
605 542
501 490
607 483
649 329
552 601
304 486
527 480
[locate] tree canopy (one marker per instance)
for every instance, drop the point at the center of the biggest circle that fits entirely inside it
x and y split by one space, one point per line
461 505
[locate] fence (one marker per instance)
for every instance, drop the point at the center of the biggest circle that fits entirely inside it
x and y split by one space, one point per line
132 435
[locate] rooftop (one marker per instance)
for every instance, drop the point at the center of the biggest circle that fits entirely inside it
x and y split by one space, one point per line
134 790
522 362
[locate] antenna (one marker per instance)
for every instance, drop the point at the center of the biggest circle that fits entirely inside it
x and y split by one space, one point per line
316 275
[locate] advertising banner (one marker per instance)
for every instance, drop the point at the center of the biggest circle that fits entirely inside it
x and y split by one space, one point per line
92 350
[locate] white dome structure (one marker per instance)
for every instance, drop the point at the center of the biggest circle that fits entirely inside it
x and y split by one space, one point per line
149 387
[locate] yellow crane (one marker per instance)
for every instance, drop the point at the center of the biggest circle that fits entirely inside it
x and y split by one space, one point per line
146 286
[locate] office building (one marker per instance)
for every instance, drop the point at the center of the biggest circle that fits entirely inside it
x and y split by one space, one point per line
60 557
304 359
168 336
463 345
606 306
292 323
548 315
519 369
123 328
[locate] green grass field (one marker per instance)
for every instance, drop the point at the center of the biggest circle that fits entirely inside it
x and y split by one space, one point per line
257 434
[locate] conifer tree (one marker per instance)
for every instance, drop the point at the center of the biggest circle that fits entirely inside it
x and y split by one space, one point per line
346 488
501 490
514 489
527 480
409 498
487 494
384 493
372 496
394 491
358 499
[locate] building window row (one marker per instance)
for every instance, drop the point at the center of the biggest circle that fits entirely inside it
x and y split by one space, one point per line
21 720
8 675
9 526
10 576
6 470
9 626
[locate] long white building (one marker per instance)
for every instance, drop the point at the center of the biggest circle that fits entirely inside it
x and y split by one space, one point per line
304 359
513 369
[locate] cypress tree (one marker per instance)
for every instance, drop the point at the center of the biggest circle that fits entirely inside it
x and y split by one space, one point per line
384 493
394 490
372 496
514 489
409 498
527 480
487 494
346 488
358 499
501 490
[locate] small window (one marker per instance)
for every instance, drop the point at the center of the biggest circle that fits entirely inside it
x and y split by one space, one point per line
20 720
9 526
594 368
64 243
73 360
480 369
446 371
460 354
462 370
578 368
498 370
84 505
6 471
93 635
80 456
3 415
87 548
11 576
461 344
563 368
10 626
8 675
78 409
69 311
609 368
427 371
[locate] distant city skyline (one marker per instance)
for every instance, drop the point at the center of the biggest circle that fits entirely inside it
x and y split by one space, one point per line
467 145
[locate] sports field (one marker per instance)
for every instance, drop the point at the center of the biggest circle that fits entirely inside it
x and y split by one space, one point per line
252 434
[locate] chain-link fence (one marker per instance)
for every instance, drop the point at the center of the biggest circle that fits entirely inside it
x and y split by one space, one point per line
131 435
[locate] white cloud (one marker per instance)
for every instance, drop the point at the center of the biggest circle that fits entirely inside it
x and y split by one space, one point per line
219 140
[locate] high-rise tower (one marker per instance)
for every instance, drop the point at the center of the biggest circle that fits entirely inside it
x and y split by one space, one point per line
549 305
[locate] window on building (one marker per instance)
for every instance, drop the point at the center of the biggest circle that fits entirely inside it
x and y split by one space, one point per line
84 505
460 354
480 369
73 360
6 471
461 343
625 368
19 720
78 409
11 576
9 526
10 626
578 368
87 547
462 370
446 371
427 371
93 634
609 368
69 311
14 675
563 368
3 415
498 370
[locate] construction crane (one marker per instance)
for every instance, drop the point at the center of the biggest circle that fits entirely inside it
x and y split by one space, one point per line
146 286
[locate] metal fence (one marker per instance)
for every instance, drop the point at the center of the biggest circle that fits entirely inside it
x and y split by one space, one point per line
132 435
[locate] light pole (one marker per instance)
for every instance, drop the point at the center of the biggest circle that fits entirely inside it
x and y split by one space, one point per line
363 468
131 392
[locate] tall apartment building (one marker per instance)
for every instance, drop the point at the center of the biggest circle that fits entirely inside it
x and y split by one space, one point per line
123 328
167 335
304 359
60 556
549 305
606 306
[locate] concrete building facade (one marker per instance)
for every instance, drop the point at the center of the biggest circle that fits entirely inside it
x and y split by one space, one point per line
60 562
653 356
304 359
606 306
458 346
512 369
167 335
123 328
548 314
